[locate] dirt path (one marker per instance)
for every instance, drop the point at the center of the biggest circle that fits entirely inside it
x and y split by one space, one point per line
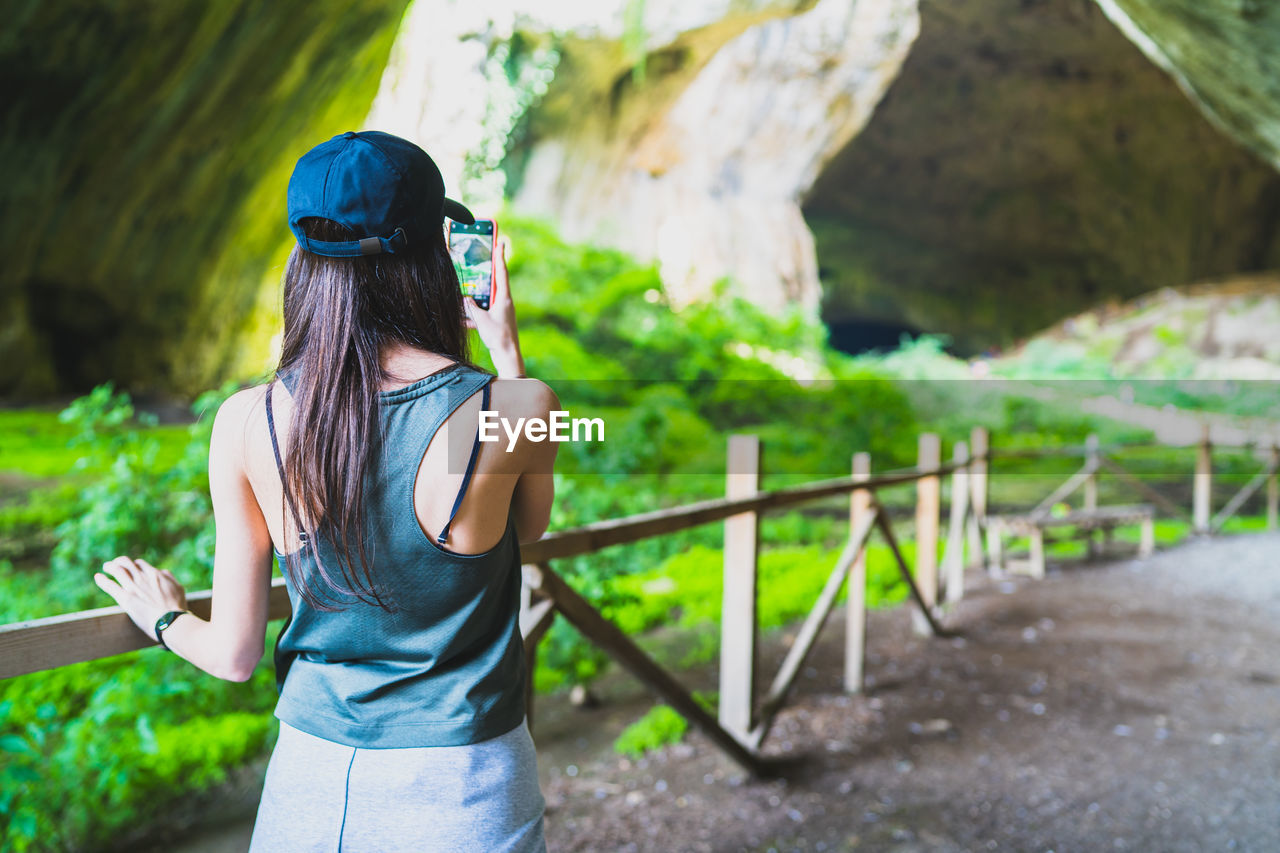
1130 706
1126 706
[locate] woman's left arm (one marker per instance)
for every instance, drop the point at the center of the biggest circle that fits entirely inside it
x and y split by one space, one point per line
230 644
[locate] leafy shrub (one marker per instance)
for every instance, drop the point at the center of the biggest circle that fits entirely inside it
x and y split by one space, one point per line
95 748
660 726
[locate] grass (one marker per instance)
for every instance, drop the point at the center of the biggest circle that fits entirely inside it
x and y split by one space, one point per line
35 444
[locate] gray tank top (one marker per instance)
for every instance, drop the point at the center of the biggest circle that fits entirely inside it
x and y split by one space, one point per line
448 667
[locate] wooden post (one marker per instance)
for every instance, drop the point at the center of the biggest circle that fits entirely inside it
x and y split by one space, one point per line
738 614
953 578
1090 489
808 633
995 549
1147 541
536 615
1203 484
1273 490
1091 483
855 630
979 448
605 635
928 508
1037 552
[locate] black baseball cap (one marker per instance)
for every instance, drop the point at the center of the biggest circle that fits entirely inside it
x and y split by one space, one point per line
381 186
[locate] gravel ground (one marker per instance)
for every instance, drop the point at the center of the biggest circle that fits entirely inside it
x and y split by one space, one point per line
1120 706
1117 706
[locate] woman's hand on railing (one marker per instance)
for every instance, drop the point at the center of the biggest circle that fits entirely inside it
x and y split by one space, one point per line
145 592
497 326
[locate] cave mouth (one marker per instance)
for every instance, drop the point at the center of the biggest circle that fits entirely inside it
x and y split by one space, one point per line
1024 167
858 336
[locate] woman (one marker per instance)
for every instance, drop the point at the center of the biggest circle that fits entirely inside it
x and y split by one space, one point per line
400 672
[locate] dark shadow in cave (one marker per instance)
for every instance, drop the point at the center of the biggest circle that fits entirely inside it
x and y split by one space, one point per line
79 327
857 336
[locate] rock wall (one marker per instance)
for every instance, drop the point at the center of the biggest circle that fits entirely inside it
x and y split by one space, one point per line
144 153
702 165
1028 162
1225 54
436 91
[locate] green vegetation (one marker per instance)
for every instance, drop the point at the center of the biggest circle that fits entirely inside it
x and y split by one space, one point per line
661 726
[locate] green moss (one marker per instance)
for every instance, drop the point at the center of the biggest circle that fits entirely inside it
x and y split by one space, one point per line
1224 52
148 147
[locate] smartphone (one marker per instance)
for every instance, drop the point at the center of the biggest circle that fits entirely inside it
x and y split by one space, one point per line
471 247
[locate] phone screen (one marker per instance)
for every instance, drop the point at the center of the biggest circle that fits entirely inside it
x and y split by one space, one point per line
471 247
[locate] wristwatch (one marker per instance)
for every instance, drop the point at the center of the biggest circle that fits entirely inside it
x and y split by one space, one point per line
164 622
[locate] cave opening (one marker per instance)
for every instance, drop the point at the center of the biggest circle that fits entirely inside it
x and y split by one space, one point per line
857 335
996 190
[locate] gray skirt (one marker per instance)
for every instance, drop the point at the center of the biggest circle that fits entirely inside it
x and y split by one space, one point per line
324 796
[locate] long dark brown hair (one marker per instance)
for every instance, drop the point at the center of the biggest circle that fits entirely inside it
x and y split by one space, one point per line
338 315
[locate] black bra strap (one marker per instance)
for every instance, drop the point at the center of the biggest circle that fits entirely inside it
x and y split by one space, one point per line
275 447
466 479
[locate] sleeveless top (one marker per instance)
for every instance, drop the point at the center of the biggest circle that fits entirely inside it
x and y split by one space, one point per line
447 668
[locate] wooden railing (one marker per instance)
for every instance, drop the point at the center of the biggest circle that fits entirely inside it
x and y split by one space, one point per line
742 721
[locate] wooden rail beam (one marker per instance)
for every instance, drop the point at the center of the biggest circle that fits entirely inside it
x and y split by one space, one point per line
607 636
54 641
1153 495
808 634
593 537
1237 500
882 521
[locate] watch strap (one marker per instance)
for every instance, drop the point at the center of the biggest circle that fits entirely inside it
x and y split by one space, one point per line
164 622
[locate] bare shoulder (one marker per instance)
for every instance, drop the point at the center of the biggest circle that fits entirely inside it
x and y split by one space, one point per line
524 398
520 410
236 417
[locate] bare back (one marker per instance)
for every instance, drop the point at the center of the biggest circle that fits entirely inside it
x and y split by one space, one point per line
499 477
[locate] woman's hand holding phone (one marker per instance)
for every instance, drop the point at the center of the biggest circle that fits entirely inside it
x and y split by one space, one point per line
497 326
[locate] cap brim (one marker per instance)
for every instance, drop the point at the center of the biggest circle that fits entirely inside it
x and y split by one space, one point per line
455 211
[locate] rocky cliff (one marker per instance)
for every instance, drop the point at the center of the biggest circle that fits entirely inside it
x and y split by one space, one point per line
1029 161
144 154
1225 54
975 167
702 163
